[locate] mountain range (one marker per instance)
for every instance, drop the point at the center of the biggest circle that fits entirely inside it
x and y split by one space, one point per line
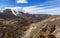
15 24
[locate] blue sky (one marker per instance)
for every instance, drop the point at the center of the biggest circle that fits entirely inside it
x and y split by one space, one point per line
14 3
33 6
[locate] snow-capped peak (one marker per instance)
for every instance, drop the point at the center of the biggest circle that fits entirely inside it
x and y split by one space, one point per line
15 11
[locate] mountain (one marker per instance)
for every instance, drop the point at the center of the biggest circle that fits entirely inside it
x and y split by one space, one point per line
18 24
13 11
7 13
10 13
13 14
13 24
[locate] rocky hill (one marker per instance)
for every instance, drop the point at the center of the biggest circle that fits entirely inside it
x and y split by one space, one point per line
26 25
12 26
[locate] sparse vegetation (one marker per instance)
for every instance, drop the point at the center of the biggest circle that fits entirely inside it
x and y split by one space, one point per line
12 26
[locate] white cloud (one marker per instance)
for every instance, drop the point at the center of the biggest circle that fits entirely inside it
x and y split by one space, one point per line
32 9
14 8
38 10
41 10
48 7
22 1
52 11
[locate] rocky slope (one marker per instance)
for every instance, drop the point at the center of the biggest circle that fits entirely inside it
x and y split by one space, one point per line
12 26
26 25
48 28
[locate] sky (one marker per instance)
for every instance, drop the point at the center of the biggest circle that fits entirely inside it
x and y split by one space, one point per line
33 6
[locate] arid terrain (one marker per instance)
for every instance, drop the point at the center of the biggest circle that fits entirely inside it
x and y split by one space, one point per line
26 25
